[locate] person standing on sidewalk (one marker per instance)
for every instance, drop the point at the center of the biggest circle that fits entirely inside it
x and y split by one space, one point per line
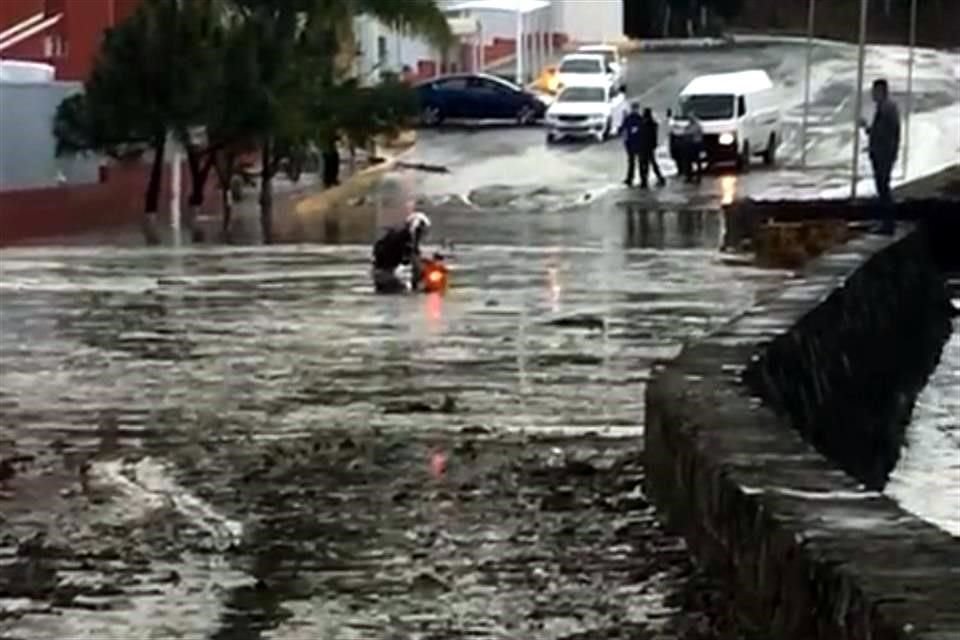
650 149
634 142
884 145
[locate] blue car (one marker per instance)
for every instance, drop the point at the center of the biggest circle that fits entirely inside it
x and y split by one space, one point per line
476 97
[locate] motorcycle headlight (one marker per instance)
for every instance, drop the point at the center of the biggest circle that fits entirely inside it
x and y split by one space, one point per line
726 138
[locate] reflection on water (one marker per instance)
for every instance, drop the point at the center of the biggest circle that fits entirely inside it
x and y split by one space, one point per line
926 480
659 229
728 189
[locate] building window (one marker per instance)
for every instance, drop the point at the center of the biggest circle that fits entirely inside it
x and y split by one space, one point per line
54 46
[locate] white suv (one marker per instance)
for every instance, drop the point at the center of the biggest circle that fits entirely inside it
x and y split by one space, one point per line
589 109
578 68
611 56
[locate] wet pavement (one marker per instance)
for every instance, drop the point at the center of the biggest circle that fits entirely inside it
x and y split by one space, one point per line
926 480
515 168
245 443
283 420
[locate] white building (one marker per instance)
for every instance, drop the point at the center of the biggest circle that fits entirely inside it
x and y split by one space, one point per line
382 48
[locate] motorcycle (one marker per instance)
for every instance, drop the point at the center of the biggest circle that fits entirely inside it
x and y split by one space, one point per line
434 274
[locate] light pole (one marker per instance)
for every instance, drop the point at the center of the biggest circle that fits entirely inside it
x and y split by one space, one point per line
806 83
176 175
906 124
519 55
858 102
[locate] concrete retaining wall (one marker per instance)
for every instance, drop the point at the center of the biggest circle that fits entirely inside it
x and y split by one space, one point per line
937 216
810 552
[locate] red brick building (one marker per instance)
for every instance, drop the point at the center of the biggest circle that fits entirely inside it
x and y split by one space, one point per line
63 33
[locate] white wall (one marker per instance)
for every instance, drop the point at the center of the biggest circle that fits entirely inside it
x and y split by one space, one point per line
27 145
400 49
590 20
581 20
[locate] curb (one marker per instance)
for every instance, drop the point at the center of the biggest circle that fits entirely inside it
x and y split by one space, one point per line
318 204
758 38
674 44
727 41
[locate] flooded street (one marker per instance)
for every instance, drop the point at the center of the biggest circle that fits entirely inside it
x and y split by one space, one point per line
276 453
245 443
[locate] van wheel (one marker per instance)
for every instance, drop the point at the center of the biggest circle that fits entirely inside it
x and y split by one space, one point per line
743 160
770 155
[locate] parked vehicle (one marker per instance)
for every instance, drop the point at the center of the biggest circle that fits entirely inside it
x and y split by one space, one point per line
477 97
589 109
611 56
577 68
740 114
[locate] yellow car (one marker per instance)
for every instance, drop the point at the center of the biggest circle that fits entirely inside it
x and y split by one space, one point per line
548 81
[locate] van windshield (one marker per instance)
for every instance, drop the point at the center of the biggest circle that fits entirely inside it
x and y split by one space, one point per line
707 106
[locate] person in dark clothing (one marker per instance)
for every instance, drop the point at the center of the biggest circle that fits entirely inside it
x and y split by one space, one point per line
649 160
399 246
331 163
693 148
635 142
884 145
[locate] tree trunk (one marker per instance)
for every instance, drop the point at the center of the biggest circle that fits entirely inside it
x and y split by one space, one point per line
266 191
331 166
666 21
199 172
225 170
151 204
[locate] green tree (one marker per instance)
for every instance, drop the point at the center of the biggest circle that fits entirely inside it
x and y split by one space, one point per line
297 44
147 81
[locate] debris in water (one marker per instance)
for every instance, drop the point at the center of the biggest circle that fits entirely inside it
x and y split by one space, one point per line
449 404
583 320
438 464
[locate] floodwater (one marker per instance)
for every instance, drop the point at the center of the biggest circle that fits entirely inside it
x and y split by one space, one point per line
245 443
926 480
274 452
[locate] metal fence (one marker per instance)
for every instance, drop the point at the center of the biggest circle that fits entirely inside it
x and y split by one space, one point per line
27 145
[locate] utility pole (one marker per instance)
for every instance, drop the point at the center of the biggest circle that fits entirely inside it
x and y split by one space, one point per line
906 124
176 176
806 84
858 102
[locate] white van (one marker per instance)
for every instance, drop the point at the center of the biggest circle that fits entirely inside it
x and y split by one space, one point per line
740 115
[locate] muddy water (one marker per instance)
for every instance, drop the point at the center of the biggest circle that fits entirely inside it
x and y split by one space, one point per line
273 452
926 480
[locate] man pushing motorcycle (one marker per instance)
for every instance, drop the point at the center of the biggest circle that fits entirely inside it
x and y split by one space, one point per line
399 242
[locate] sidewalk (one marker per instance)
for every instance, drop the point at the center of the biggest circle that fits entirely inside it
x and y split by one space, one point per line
301 210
